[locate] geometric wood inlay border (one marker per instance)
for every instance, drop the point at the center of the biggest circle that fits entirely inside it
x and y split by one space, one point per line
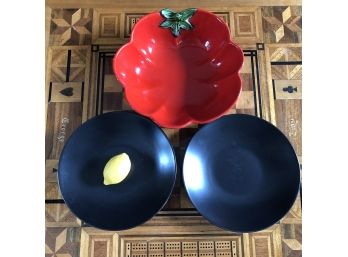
246 27
106 26
180 241
130 20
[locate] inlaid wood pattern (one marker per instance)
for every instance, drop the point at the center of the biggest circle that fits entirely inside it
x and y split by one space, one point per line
112 26
143 242
185 247
110 90
289 121
130 20
248 103
67 85
287 89
62 58
291 240
285 53
287 72
52 191
59 215
284 76
246 25
265 243
282 24
285 79
106 26
63 119
67 76
62 242
66 92
51 168
71 27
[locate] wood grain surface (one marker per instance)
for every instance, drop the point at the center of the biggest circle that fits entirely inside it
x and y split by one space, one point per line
81 39
289 121
63 119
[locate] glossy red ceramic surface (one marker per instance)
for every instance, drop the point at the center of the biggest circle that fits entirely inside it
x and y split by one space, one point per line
179 80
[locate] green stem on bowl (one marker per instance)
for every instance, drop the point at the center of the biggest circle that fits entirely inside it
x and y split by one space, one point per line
177 20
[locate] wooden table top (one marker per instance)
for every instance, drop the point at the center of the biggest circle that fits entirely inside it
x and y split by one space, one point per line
80 84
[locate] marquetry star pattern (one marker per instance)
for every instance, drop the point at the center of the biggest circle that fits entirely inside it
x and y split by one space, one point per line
62 242
282 24
291 240
71 27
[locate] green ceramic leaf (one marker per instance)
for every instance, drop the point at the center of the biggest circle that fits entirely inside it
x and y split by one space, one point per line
177 21
185 25
186 14
166 24
167 13
176 29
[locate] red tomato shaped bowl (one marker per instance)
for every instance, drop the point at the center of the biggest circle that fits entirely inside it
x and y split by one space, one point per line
180 68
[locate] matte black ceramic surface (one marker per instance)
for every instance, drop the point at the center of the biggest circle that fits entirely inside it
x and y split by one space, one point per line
144 191
241 173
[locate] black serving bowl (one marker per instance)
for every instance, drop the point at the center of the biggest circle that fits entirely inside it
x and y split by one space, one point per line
241 173
145 190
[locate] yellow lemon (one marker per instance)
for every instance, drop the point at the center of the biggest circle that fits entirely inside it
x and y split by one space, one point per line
116 169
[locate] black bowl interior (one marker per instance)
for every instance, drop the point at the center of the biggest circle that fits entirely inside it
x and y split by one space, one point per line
241 173
144 191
